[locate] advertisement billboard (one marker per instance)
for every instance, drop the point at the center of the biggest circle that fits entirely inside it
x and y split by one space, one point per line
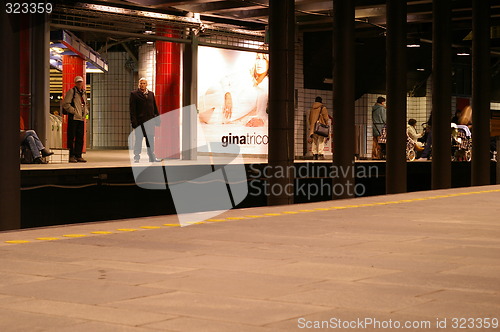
233 99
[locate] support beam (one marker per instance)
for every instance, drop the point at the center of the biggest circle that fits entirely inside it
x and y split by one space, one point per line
441 94
481 92
343 95
10 197
189 97
498 160
281 97
40 84
396 97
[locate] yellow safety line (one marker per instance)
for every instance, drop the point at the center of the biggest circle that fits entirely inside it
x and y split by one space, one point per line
260 216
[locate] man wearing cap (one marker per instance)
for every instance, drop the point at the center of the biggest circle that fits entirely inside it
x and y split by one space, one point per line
75 104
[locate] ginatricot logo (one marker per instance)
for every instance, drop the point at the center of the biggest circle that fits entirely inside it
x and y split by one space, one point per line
201 188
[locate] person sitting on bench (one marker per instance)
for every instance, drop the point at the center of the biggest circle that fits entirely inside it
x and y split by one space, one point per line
31 140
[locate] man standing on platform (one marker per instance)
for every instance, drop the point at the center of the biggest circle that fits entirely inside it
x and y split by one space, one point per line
75 104
142 109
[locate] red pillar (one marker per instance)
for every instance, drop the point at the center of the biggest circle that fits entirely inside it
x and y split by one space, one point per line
25 60
73 66
168 95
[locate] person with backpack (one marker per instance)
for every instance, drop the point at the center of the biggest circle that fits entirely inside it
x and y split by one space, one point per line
76 106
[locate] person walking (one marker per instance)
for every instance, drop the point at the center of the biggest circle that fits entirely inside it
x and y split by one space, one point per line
379 118
75 104
318 113
142 109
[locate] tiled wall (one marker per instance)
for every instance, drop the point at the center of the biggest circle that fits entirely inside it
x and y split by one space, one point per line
110 103
147 61
305 99
418 108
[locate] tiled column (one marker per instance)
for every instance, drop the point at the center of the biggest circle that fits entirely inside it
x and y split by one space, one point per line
147 67
168 95
72 66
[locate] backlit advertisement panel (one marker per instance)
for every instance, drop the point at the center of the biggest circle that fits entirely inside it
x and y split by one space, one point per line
233 99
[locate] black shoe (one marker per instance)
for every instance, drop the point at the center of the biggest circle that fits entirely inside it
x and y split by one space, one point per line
154 160
80 160
72 160
46 152
39 161
321 157
315 157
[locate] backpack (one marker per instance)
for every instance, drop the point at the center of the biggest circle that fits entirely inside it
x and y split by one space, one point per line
63 111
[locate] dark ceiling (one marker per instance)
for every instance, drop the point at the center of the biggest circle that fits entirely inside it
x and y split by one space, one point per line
316 15
314 19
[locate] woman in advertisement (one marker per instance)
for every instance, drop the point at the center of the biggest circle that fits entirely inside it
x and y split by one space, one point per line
238 100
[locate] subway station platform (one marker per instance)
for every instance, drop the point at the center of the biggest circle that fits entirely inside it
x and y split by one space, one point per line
429 260
105 188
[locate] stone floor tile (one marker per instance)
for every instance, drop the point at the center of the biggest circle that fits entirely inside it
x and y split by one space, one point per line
131 266
464 297
189 324
126 277
229 309
37 267
439 281
352 295
104 327
235 283
325 270
7 279
107 251
89 312
230 263
18 321
78 291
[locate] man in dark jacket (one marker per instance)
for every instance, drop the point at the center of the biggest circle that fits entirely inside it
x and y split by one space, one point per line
142 109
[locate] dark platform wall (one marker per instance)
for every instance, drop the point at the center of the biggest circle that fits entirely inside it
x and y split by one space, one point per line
370 64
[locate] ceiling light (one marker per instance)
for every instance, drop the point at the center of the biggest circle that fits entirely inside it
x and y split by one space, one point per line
413 42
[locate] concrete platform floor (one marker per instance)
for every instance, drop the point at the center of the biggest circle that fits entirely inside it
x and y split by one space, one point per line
425 260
